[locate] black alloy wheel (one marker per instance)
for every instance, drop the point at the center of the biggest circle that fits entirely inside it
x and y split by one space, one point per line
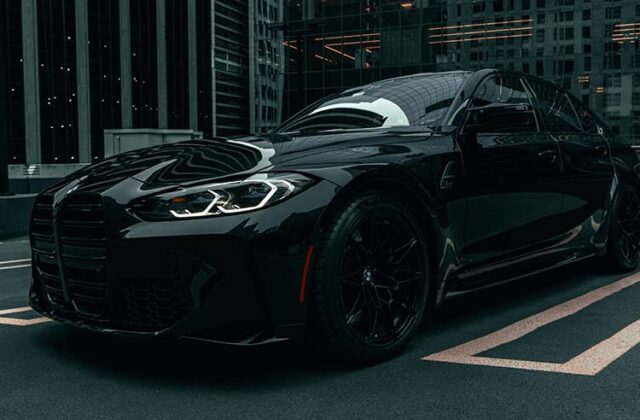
372 279
624 234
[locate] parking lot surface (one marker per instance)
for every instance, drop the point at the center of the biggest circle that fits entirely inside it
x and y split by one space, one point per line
556 345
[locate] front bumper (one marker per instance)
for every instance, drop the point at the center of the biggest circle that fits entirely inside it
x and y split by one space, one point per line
232 279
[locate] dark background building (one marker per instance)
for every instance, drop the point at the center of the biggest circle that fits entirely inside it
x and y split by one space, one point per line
591 47
75 68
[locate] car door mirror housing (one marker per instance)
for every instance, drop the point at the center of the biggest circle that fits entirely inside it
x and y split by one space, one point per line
500 117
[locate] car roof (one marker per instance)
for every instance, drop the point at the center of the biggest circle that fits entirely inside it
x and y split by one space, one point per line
383 82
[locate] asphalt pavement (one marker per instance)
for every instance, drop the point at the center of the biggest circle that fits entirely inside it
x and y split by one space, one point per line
557 345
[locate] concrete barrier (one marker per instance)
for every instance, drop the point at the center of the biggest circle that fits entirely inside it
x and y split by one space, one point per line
15 212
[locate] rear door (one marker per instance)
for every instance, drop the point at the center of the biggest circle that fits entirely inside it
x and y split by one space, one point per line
588 170
511 181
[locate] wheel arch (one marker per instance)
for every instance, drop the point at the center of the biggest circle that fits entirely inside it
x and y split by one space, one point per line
400 184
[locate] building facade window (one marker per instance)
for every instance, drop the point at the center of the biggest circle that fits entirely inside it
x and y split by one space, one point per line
12 26
177 63
144 74
205 70
58 96
104 71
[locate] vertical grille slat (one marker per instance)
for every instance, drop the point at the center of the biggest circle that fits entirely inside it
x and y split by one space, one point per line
42 218
70 256
82 251
83 238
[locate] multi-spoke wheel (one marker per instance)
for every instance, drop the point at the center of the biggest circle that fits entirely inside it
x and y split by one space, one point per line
370 279
623 250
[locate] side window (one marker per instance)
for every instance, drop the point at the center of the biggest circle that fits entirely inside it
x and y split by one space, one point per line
501 89
501 105
588 121
556 108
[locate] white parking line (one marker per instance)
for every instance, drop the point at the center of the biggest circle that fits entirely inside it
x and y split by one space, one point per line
15 266
18 322
15 310
24 322
15 261
590 362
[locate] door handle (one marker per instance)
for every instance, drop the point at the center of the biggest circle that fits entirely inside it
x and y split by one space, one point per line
550 156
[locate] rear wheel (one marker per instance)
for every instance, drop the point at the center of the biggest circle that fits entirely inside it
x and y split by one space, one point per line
370 280
623 249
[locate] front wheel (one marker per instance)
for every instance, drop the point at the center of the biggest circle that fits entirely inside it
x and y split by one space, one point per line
370 280
623 248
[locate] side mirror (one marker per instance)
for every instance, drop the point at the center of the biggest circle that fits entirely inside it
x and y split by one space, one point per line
500 117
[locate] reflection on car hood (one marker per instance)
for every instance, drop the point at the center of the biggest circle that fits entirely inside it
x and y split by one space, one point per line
192 161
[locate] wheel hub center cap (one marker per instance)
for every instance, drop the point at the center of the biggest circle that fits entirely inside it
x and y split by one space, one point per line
367 276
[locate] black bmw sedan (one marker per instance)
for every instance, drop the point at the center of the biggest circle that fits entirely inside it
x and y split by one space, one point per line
344 225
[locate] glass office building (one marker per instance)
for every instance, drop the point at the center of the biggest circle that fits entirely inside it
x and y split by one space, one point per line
75 68
591 47
229 67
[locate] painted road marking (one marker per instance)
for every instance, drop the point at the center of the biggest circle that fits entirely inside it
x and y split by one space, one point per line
15 266
10 265
15 310
21 322
590 363
15 261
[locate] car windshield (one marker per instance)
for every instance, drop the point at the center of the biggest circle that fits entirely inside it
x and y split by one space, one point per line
414 101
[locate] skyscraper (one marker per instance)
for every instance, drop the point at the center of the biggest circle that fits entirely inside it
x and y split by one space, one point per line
75 68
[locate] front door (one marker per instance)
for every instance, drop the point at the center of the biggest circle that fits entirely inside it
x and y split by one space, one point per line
511 173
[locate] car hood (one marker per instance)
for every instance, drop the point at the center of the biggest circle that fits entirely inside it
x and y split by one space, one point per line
188 162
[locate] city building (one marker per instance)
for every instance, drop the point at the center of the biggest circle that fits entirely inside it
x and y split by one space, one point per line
591 47
75 68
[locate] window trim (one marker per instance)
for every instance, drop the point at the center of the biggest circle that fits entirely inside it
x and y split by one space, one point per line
520 78
564 93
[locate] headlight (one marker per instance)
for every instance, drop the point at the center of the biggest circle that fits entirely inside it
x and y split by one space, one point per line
222 198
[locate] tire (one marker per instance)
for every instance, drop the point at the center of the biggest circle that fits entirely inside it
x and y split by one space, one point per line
623 247
370 280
